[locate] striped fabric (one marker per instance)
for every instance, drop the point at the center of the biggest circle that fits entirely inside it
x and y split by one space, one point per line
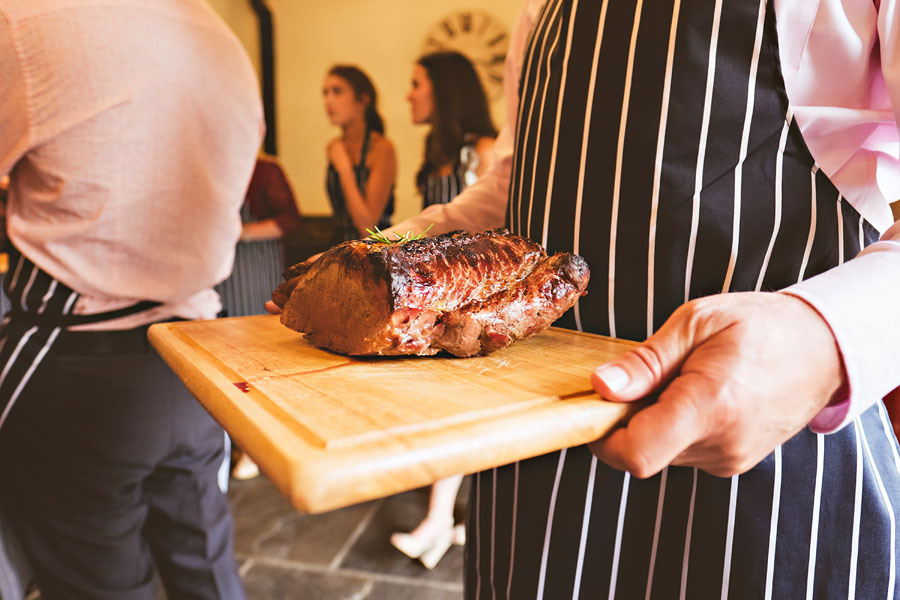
657 142
22 344
41 308
338 203
441 189
257 272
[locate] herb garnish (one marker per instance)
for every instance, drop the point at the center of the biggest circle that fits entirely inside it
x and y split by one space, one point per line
380 236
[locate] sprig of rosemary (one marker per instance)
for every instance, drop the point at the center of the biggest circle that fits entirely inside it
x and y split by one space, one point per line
380 236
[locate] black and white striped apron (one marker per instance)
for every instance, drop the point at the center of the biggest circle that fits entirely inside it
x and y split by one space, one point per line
441 189
41 309
339 203
258 265
657 141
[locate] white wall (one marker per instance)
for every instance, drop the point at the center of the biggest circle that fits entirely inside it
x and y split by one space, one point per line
384 39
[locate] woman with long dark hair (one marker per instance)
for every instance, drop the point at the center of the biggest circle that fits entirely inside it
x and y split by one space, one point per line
447 94
362 164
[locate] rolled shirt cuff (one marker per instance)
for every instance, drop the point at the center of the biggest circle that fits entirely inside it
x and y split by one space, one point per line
860 301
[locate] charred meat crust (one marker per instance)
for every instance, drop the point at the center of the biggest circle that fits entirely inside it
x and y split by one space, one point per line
520 312
465 293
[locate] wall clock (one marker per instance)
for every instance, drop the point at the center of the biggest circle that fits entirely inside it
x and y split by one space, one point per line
478 35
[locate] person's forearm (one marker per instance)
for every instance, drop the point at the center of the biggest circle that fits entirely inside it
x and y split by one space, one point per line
860 301
267 229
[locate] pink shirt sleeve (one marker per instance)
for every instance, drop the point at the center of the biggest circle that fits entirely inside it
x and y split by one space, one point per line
860 300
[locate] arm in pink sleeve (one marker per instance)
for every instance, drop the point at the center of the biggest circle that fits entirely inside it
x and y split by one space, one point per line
860 300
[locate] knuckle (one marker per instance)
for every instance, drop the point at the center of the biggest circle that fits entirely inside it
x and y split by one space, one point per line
650 357
638 466
697 312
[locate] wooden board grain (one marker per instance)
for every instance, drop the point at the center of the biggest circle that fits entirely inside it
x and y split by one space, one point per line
332 430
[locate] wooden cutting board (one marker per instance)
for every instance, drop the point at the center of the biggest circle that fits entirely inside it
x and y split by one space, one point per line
332 430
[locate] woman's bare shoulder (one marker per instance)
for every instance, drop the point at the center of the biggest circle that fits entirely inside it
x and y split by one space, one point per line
382 147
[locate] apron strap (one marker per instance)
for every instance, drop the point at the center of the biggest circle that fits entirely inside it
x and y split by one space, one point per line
70 320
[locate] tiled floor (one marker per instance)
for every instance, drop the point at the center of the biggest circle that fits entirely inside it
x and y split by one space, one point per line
341 555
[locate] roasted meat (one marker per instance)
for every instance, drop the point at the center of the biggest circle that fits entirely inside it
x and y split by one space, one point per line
464 293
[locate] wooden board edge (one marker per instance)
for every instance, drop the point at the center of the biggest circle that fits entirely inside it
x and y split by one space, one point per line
335 480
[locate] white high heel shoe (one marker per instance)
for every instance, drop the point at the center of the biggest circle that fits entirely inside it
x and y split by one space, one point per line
430 547
431 557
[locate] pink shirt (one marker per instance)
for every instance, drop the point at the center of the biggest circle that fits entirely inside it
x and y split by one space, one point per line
841 65
127 167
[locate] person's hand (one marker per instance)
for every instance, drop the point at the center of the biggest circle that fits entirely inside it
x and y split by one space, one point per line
272 308
735 374
339 157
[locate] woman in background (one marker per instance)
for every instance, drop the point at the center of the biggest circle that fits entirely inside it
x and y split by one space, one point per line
447 94
362 164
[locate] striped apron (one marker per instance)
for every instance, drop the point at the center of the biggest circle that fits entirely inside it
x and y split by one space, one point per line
41 308
441 189
258 265
347 230
657 142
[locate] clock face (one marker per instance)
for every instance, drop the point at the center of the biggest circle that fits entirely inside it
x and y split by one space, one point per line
479 36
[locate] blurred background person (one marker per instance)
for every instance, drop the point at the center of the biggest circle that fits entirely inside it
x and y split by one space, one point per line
446 94
362 164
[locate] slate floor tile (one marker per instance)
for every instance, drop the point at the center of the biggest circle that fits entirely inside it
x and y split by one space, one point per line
373 551
315 538
267 582
398 591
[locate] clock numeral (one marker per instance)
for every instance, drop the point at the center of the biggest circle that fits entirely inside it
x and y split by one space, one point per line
433 42
497 40
495 78
448 28
465 21
498 59
485 23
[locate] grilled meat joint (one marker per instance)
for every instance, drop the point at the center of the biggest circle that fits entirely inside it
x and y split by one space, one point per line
468 294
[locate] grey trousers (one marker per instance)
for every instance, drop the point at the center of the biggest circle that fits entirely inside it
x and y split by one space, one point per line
108 469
